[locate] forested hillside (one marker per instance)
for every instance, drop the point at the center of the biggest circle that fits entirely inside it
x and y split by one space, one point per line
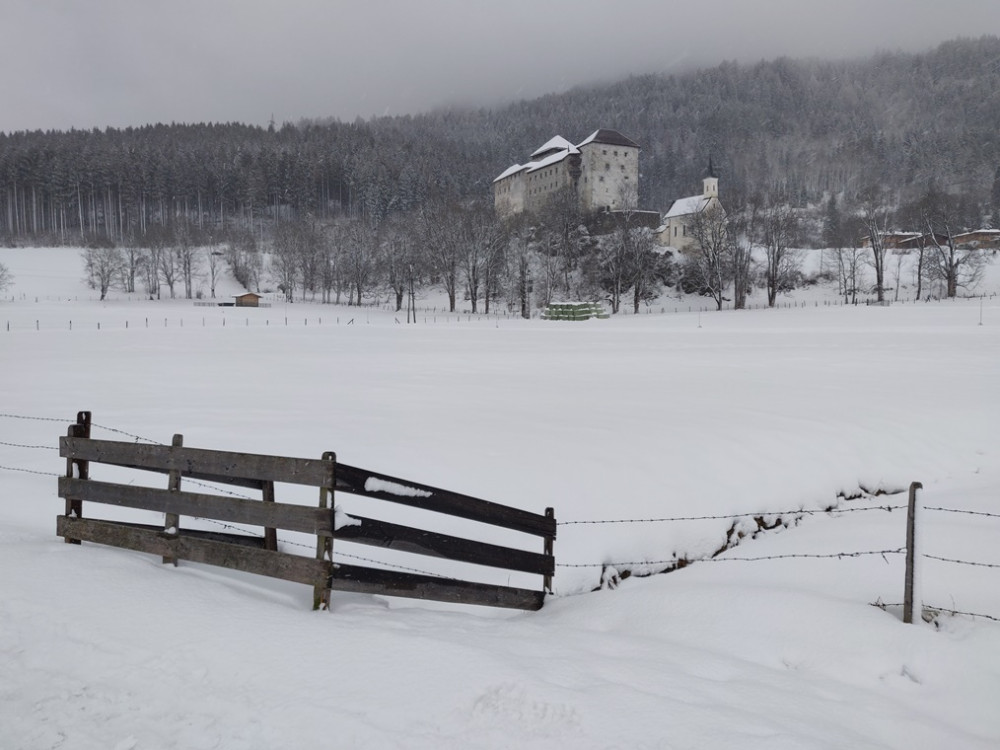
797 130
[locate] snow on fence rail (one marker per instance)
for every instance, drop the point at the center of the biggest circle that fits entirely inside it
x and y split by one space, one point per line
260 554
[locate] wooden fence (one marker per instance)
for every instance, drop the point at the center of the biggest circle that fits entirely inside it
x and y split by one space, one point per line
261 554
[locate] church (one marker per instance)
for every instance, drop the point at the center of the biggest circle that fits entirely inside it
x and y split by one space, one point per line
602 171
675 231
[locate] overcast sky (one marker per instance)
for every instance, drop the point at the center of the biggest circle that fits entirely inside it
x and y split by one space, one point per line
97 63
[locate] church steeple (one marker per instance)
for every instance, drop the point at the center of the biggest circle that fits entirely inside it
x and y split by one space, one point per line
710 183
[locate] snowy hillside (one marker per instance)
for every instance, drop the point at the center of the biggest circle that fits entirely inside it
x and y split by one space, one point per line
725 416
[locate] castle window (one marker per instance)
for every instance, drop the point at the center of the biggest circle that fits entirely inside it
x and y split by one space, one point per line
616 153
602 178
606 166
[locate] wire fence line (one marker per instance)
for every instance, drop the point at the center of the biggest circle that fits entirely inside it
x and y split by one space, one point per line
30 471
668 564
884 605
961 562
685 561
965 512
733 516
24 445
63 420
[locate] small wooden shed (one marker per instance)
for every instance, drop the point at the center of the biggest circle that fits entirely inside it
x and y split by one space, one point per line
248 300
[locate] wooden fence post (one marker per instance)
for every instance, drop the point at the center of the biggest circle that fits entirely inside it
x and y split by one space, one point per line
912 589
171 521
324 544
74 508
547 549
270 533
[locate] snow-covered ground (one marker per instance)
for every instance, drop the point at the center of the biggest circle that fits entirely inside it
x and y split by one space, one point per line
637 417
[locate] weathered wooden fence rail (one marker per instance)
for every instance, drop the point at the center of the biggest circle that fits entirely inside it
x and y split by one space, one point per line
260 554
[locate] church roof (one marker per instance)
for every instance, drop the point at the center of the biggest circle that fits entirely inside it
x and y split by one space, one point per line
693 204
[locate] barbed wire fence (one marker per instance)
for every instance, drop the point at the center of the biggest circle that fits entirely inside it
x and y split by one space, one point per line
612 571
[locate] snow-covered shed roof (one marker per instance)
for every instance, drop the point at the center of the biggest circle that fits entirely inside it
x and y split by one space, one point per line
693 204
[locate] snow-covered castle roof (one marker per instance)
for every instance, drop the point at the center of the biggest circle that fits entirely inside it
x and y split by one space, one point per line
558 148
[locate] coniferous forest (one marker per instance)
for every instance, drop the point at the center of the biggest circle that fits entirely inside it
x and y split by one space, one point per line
799 130
810 135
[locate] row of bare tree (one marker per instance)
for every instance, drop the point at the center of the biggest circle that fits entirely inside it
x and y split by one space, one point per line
935 220
526 261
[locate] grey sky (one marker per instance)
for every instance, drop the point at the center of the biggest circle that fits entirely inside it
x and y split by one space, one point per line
87 63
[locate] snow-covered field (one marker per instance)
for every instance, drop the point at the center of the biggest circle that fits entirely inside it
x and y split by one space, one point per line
639 417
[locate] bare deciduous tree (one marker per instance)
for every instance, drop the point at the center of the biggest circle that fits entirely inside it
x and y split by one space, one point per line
708 264
102 265
778 230
443 246
244 259
360 260
213 260
186 257
6 277
131 267
875 218
945 217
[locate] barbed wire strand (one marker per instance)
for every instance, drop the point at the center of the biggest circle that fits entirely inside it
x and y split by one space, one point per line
33 418
674 561
961 562
127 434
25 445
92 424
958 612
30 471
337 553
965 512
885 605
730 516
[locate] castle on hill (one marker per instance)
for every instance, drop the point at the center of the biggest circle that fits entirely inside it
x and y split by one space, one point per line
602 171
